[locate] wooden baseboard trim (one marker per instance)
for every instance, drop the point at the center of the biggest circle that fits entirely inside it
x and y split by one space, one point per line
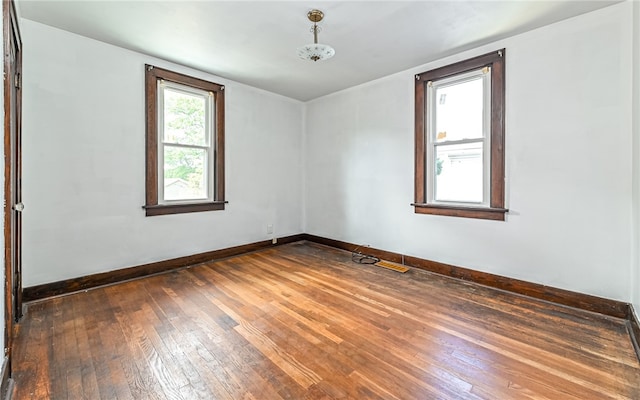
6 385
67 286
577 300
338 244
633 325
581 301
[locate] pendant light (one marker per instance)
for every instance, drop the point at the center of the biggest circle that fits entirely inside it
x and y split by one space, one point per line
315 51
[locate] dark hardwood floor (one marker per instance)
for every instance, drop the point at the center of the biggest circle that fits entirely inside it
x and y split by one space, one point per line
301 321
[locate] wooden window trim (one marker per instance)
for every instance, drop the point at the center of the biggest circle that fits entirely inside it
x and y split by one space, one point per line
152 75
496 209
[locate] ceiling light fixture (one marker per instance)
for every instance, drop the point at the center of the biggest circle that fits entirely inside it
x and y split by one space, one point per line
315 51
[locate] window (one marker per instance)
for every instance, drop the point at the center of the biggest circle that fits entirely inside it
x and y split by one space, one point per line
459 139
185 143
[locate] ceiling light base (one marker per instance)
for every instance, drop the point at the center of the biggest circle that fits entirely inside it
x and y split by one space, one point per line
315 16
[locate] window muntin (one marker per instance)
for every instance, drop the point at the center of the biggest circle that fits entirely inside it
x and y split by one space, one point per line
461 142
185 149
184 143
458 171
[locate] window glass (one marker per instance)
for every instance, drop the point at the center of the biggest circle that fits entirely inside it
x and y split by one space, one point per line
459 109
185 176
459 173
458 133
184 118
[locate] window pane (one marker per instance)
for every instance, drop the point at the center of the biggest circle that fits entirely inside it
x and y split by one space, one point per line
459 111
459 173
184 118
185 174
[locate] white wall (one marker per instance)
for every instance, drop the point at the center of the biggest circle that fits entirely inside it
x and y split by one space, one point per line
635 271
350 176
83 182
568 134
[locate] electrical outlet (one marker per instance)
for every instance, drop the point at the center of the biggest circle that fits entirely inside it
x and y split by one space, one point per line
269 228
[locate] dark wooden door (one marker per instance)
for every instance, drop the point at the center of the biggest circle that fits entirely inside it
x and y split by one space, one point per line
13 169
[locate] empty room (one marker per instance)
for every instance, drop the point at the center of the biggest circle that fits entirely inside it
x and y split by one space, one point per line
321 200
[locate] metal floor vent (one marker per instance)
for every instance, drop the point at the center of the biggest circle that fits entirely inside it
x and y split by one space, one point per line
391 265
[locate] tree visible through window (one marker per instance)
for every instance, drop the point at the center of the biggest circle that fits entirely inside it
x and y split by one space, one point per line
185 143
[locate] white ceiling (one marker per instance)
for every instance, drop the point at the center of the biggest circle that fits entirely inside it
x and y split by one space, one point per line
254 42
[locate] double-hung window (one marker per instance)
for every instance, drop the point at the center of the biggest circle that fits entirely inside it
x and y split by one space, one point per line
460 139
185 143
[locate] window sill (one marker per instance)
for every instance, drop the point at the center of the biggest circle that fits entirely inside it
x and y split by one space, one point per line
496 214
166 209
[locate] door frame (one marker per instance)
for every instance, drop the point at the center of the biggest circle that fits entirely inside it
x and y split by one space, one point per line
12 187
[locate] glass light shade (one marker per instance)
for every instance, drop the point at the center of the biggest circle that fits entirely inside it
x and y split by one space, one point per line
316 52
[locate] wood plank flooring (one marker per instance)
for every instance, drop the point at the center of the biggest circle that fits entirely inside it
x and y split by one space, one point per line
302 321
